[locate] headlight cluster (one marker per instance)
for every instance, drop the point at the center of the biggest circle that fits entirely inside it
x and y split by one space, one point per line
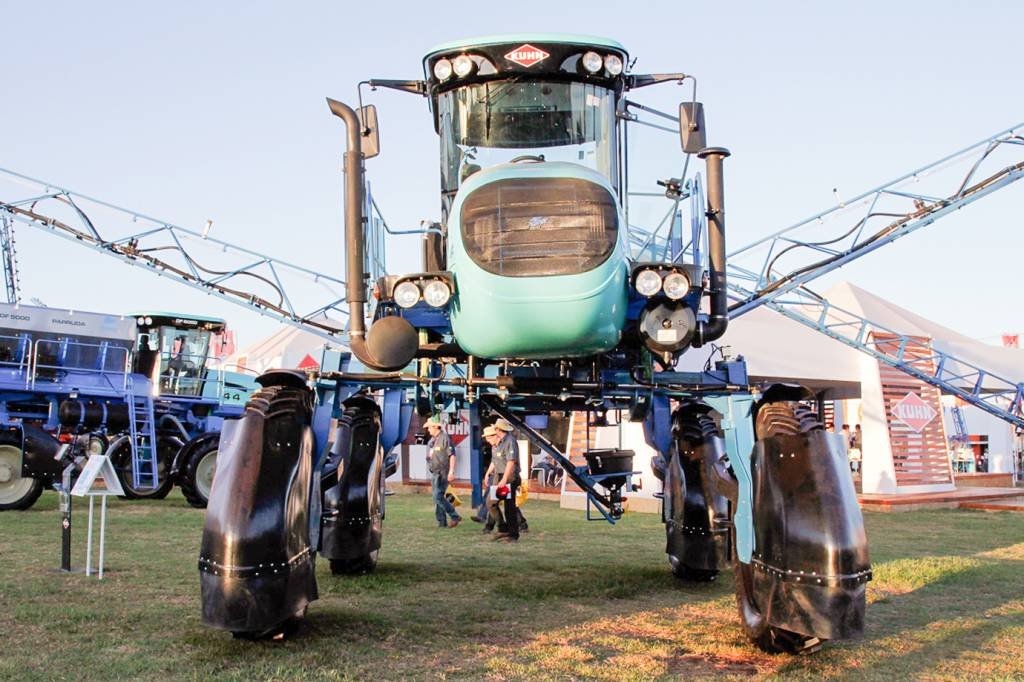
649 282
461 66
435 292
145 320
593 63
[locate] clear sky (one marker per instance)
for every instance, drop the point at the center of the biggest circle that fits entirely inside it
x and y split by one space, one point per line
197 110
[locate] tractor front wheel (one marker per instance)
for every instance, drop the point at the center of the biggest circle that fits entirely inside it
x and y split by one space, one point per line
198 465
17 492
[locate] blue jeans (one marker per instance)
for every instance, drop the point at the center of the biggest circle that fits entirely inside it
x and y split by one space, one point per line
442 507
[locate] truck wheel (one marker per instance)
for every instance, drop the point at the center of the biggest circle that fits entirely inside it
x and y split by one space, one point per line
16 491
773 419
198 465
356 566
121 458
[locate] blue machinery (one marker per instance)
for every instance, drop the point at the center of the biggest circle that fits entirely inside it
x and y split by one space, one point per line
103 384
675 426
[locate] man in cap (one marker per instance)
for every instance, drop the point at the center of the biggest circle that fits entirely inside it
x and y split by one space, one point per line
505 470
441 463
483 512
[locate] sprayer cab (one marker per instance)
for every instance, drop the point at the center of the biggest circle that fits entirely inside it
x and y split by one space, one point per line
533 257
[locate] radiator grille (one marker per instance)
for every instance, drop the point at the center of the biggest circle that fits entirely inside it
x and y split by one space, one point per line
531 227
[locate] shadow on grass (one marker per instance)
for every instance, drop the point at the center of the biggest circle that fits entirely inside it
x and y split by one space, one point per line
910 632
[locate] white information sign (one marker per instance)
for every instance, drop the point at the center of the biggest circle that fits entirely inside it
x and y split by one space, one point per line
97 478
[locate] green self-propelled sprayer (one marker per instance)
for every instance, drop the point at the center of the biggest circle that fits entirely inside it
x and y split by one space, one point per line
538 295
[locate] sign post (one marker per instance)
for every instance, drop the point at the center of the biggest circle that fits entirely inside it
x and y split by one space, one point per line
98 479
64 490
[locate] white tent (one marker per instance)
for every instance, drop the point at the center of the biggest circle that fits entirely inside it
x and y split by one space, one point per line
779 349
286 348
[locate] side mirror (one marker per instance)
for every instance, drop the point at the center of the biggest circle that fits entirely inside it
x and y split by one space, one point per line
692 132
368 131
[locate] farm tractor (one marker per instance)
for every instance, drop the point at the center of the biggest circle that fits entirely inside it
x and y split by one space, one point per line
539 293
143 389
534 297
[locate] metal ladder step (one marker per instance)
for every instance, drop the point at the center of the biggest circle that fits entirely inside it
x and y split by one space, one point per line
145 475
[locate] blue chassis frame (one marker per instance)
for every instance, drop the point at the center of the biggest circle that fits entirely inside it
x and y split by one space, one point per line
724 388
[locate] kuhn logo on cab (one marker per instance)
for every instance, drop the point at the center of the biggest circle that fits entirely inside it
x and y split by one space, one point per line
527 55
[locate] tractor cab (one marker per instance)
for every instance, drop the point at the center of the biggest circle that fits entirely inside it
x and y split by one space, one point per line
174 349
534 258
535 100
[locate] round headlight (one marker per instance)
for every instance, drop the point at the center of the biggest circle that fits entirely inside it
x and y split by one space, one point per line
676 285
462 65
614 64
149 320
648 282
407 294
442 70
436 293
592 62
141 320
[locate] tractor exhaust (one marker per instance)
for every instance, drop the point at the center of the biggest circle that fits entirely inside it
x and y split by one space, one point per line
718 319
395 342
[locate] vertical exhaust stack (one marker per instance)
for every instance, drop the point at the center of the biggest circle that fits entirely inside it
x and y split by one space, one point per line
718 320
396 343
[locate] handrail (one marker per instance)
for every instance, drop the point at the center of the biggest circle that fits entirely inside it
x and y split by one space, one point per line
103 371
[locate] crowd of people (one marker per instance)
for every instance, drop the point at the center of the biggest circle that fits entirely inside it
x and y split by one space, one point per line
852 440
499 513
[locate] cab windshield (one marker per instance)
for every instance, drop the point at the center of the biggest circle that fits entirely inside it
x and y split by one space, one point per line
182 359
486 124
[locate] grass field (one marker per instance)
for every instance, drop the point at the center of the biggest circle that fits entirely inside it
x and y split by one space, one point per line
571 600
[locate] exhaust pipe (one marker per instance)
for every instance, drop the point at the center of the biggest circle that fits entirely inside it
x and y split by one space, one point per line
396 343
718 319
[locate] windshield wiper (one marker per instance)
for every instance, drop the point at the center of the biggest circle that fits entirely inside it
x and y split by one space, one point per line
502 90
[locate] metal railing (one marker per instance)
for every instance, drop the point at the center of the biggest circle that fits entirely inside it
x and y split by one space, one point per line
111 363
16 353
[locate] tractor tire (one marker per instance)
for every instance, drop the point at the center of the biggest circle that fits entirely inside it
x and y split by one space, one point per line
357 566
352 484
258 516
785 419
198 465
766 637
17 492
773 419
121 458
696 544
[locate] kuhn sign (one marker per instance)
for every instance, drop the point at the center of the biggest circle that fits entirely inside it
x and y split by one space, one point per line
527 55
458 429
914 412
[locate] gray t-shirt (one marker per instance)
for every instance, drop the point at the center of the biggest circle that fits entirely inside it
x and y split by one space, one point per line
506 449
439 452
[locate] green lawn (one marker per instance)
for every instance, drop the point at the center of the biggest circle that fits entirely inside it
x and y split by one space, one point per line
572 600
